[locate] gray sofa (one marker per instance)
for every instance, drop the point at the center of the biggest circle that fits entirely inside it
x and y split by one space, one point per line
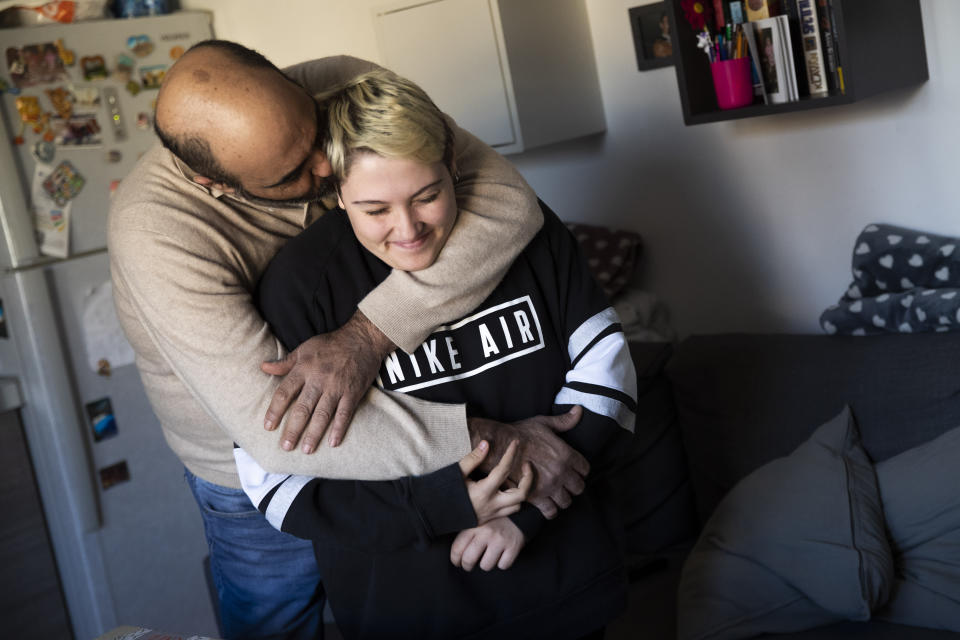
713 409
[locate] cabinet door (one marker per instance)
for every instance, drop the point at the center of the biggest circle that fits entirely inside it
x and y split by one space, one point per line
451 49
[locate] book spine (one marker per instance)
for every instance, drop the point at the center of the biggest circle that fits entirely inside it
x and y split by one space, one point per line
760 9
792 13
718 14
812 53
829 45
841 85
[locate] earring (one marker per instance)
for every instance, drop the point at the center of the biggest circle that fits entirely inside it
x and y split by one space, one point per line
456 176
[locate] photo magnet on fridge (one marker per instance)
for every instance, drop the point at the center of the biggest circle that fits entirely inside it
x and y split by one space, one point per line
102 422
114 474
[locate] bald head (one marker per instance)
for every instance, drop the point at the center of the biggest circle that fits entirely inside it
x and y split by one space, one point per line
228 112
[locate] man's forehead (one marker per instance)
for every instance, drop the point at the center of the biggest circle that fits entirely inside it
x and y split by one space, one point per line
289 150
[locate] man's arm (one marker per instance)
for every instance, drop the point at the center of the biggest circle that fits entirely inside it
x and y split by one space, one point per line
198 312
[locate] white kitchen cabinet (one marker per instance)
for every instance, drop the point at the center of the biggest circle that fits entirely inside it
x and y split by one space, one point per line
517 74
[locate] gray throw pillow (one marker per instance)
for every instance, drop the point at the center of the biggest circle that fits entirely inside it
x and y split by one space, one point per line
797 544
921 501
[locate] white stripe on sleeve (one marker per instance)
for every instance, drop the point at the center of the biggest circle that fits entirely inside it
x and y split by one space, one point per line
590 329
254 479
283 498
601 405
608 364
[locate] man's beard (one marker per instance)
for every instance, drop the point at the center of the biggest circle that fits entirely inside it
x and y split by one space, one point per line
324 191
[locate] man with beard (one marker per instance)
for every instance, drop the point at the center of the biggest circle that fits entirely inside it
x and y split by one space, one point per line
191 230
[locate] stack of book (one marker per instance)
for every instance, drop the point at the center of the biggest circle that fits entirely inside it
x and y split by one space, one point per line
792 44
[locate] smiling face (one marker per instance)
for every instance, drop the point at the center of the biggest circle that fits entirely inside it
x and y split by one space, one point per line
401 210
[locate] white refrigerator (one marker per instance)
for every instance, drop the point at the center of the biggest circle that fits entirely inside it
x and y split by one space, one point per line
77 108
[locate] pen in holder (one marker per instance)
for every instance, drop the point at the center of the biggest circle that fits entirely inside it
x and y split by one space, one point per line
733 82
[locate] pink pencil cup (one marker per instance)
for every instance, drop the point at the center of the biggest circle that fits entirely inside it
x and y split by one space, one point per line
733 82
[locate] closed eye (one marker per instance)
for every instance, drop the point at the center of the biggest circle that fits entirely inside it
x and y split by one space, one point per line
430 198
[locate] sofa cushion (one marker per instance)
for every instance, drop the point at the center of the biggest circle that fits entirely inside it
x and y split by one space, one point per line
921 499
743 400
798 543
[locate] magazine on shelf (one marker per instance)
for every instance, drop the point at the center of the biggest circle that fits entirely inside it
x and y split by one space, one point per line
775 58
758 88
812 51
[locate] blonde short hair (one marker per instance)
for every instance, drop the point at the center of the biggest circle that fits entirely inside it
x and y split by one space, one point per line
382 113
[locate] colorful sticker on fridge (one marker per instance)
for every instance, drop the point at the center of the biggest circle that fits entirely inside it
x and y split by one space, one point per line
64 183
35 64
140 45
151 77
102 422
80 130
176 52
144 120
114 475
51 221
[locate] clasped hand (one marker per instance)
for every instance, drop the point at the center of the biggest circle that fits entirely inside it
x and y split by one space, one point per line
496 541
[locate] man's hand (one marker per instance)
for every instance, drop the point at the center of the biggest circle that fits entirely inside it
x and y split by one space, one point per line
488 497
560 469
494 544
325 379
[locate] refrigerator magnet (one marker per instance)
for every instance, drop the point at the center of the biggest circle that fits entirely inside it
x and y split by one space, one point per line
113 156
151 77
133 87
44 151
62 101
64 183
114 475
102 422
124 68
67 56
140 45
35 64
81 130
103 368
94 67
144 121
85 99
176 52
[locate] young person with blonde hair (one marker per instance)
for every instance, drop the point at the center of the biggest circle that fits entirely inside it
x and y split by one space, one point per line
397 556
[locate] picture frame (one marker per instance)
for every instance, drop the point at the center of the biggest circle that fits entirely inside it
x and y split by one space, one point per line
652 27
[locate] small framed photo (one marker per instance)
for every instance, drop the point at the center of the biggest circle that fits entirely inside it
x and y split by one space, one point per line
652 28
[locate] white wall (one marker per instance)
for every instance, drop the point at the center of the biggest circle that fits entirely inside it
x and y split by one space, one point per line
749 225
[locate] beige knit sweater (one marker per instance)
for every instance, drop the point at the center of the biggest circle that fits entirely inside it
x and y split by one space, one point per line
185 260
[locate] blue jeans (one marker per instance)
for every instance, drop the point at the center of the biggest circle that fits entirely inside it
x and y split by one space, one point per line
267 581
